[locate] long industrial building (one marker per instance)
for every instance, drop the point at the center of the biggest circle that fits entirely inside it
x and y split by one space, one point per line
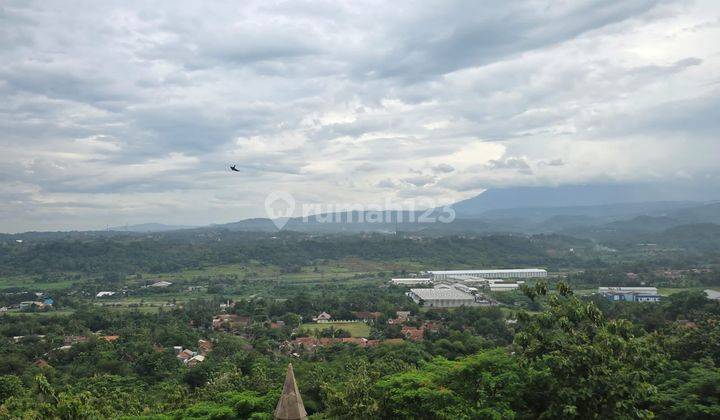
503 287
625 289
449 297
519 273
412 281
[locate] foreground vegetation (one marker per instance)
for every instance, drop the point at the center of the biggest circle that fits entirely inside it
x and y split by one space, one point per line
557 351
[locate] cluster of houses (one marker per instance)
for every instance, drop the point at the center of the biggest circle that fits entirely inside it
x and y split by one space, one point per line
191 358
68 340
402 318
237 324
42 303
230 322
71 340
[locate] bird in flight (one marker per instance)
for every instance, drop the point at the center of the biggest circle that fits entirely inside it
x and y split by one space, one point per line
233 168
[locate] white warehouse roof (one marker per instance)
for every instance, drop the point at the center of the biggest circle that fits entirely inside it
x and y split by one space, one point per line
514 270
653 290
411 280
442 294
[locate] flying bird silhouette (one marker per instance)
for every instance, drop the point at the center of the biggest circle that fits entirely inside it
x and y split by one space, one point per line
233 168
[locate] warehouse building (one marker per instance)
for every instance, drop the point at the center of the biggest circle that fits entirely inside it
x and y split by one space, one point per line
449 297
647 290
518 273
411 281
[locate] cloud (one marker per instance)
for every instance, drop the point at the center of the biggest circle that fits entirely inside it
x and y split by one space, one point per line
386 183
419 180
517 163
132 112
443 168
552 162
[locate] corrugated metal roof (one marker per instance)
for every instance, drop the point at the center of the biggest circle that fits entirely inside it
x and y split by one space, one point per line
514 270
441 294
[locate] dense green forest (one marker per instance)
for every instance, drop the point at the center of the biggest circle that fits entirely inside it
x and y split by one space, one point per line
160 253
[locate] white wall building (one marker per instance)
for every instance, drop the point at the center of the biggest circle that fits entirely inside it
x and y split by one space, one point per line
410 281
646 290
503 287
519 273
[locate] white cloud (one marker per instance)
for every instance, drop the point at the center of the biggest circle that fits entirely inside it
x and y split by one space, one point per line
126 110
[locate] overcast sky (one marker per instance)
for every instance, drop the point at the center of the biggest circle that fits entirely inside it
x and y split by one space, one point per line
130 112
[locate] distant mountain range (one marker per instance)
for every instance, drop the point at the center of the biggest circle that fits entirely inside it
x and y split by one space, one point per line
575 208
589 211
600 199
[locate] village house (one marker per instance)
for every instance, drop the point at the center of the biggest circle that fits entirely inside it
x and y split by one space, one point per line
204 347
185 355
41 363
161 284
431 326
402 317
413 334
28 305
193 361
230 322
324 316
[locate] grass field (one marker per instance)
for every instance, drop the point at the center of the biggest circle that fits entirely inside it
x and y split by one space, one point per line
662 291
356 329
53 313
30 283
666 291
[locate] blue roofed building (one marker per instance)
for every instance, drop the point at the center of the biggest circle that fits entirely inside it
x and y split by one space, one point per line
630 294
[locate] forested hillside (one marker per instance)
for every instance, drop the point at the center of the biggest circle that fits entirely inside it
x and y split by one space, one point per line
160 253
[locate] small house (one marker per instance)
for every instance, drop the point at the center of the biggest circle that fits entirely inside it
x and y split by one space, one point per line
324 316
